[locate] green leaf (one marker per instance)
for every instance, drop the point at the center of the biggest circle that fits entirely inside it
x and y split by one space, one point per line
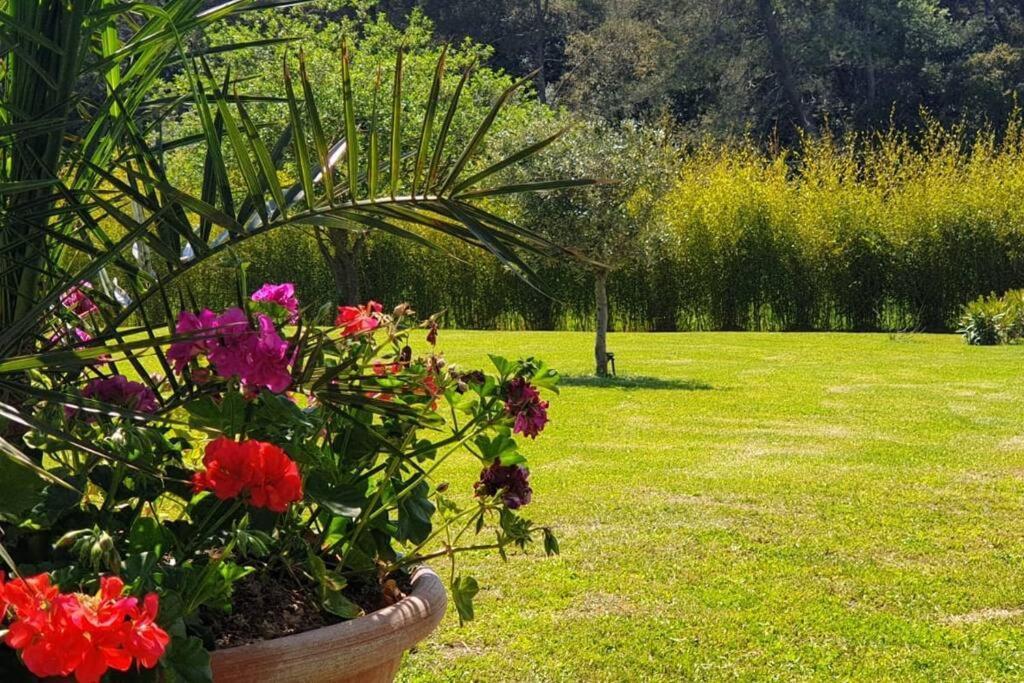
545 377
228 416
23 489
500 446
351 139
550 543
503 365
414 514
466 402
331 585
464 589
396 124
336 603
509 459
428 124
345 501
187 661
148 535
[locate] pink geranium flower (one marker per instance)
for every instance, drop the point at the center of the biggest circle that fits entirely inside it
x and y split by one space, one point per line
267 358
183 352
229 349
259 357
77 301
283 296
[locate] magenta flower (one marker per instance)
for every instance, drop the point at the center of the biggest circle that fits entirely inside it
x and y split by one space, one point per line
259 357
280 296
522 401
229 349
79 335
181 353
77 301
511 481
267 358
117 390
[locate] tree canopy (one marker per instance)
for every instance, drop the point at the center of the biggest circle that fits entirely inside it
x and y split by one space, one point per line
763 67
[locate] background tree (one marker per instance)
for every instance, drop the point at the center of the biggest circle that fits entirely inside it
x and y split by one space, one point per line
608 224
773 68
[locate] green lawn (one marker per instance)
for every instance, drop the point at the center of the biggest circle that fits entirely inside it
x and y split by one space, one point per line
759 506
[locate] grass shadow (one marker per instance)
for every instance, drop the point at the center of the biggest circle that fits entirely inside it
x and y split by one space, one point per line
634 382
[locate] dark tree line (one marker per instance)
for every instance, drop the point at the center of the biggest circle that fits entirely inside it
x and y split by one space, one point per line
760 66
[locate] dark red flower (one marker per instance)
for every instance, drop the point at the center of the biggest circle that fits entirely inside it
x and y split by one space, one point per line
463 380
511 481
432 333
118 390
257 469
522 401
355 320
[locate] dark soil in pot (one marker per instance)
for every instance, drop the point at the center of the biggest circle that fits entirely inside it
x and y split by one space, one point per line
267 605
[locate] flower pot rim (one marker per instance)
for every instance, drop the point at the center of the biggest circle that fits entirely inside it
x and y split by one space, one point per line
365 642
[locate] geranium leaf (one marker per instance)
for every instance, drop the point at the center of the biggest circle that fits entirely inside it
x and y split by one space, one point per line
464 589
148 535
23 489
414 514
187 661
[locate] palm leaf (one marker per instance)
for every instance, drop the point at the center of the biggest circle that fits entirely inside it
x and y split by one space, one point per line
105 197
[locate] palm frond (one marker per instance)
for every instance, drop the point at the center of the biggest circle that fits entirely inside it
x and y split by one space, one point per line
104 203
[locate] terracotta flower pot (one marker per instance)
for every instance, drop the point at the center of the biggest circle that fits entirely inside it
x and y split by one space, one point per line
365 650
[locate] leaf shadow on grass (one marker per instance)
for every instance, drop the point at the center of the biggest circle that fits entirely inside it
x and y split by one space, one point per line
634 382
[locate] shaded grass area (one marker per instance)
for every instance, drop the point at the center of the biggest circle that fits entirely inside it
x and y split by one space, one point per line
826 505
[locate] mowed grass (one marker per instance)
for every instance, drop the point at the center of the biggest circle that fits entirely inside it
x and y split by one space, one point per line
758 507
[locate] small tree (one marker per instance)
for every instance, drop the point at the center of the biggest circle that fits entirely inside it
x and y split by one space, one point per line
607 224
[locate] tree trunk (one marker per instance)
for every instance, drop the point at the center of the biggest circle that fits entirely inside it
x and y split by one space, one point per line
780 63
600 340
869 72
993 16
341 251
540 14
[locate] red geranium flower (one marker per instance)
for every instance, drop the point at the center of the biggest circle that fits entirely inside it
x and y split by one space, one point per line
64 634
276 482
229 468
259 470
355 320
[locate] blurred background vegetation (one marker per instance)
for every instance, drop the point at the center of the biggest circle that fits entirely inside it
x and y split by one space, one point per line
780 165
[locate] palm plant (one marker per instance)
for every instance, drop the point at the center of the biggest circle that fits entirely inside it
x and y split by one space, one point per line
84 194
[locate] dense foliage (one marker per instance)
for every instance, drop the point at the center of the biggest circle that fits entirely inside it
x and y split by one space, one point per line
770 67
849 233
